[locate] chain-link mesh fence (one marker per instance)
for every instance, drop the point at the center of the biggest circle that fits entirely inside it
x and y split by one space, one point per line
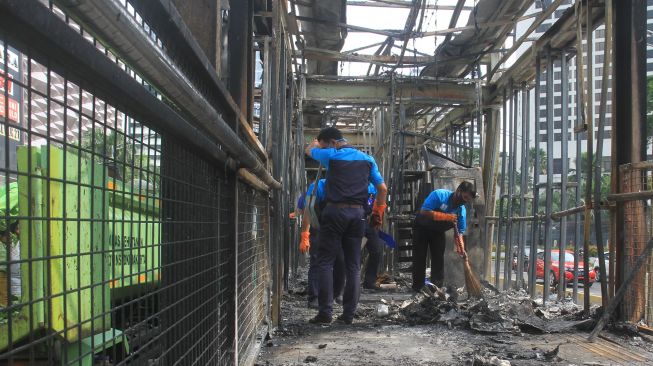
120 241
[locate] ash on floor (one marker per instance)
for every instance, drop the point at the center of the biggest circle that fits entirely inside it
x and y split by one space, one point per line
440 326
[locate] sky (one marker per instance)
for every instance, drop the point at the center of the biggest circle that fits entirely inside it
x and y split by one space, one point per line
395 19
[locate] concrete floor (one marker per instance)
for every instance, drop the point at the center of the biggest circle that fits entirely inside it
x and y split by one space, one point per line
371 340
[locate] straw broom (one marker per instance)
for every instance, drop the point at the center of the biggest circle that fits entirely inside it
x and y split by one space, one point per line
472 283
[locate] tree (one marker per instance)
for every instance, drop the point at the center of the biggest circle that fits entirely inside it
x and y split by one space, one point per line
122 157
476 155
584 164
531 160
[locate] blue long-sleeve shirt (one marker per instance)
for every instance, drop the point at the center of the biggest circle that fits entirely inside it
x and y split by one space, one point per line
440 200
320 190
349 172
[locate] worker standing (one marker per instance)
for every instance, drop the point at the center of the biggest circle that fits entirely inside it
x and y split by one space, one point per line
441 210
342 226
308 244
373 244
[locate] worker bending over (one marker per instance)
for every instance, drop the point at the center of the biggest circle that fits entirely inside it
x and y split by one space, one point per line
342 225
441 210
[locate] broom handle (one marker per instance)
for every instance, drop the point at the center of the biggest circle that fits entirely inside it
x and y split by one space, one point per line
456 235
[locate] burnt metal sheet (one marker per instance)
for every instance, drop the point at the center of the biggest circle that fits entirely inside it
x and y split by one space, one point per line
325 36
471 44
435 160
379 91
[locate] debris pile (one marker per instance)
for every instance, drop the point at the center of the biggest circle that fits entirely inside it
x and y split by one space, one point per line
487 355
510 312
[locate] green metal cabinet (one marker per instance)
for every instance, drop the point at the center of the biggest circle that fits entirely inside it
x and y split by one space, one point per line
85 234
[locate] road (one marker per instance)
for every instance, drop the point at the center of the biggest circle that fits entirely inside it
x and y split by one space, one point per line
595 289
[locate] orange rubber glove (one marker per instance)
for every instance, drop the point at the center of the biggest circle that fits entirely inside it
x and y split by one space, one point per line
441 216
305 243
376 220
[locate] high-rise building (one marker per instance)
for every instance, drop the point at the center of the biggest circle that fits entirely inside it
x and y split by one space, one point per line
593 83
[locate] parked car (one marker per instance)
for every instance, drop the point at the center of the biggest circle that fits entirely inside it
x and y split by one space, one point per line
554 277
526 259
595 266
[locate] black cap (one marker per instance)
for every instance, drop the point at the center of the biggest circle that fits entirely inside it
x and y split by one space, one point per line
330 133
467 187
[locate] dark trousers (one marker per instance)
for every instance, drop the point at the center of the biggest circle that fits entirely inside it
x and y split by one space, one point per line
341 230
375 251
428 234
314 278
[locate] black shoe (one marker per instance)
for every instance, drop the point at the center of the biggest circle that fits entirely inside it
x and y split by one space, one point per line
342 318
338 300
320 319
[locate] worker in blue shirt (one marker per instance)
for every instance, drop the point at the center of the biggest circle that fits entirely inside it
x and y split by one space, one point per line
342 224
308 244
441 210
373 245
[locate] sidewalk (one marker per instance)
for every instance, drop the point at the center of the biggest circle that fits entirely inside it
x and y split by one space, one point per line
539 291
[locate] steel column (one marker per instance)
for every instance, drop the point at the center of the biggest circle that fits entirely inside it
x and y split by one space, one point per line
589 120
489 181
564 123
523 185
239 46
548 223
599 155
497 259
536 181
579 167
630 36
512 167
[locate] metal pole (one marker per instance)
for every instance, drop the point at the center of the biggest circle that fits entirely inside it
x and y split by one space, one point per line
512 163
523 186
548 223
564 91
489 181
497 259
239 29
265 133
536 181
589 115
577 219
470 132
599 153
275 140
480 128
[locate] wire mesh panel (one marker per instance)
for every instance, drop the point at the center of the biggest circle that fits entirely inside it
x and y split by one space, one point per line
196 285
116 242
81 212
637 221
253 265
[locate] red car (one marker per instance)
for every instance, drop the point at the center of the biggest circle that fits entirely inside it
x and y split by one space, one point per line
569 268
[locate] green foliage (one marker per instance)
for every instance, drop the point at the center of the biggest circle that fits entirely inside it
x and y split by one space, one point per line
542 157
476 156
593 252
121 155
